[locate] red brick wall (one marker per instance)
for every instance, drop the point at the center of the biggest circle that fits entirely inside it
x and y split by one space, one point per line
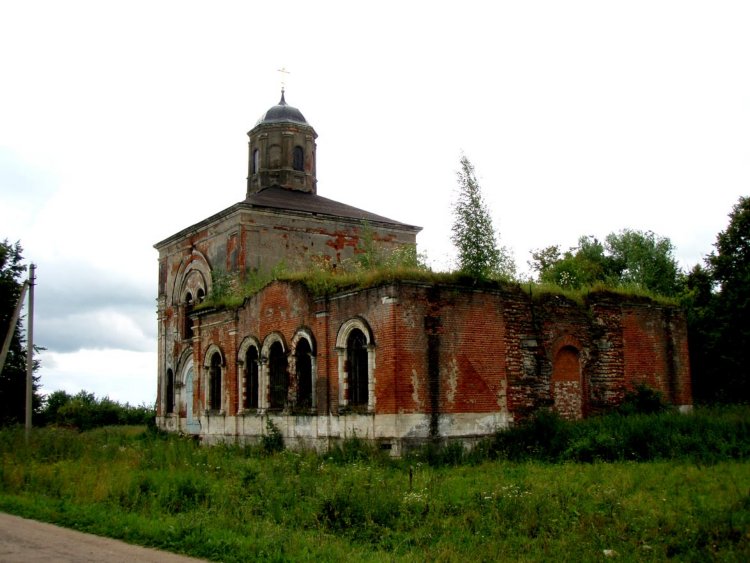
449 350
655 351
645 348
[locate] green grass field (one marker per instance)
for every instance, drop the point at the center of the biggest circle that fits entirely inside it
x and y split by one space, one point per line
241 504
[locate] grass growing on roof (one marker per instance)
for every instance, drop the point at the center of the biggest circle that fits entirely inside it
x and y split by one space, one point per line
372 266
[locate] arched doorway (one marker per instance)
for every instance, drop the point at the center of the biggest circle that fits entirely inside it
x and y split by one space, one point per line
192 424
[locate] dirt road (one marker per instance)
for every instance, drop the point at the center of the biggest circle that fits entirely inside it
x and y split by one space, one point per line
27 541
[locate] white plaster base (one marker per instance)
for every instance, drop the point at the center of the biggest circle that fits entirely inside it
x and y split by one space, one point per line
395 432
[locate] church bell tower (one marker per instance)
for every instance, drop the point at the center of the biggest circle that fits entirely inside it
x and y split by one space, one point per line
282 151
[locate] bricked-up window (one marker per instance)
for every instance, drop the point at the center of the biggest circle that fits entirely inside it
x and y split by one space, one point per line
567 366
298 158
170 392
274 156
214 383
356 362
188 332
567 386
303 361
251 378
278 379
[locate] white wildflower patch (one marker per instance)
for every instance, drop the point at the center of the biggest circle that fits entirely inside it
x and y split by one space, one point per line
415 497
513 491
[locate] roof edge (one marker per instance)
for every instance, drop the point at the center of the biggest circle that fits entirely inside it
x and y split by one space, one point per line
274 210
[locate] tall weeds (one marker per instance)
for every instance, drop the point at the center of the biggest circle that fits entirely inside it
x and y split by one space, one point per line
706 436
234 503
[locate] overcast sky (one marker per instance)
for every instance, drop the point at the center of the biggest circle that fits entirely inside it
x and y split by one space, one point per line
124 122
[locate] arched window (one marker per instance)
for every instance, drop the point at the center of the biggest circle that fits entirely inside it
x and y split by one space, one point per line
188 321
278 376
356 367
170 392
251 378
303 362
298 158
256 161
201 295
355 348
214 383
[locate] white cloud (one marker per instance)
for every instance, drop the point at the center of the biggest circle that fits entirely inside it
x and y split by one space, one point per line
102 329
121 375
124 122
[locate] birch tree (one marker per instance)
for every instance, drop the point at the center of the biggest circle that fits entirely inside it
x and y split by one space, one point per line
473 234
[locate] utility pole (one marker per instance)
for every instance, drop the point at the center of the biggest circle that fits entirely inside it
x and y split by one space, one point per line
12 326
30 350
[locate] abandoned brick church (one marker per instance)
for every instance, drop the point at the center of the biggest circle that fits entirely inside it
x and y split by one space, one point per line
400 363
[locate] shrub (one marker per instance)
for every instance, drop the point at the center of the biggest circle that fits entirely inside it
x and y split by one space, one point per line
545 436
273 440
706 436
355 449
643 400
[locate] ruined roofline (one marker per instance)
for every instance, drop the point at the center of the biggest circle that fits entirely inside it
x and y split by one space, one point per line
455 282
499 288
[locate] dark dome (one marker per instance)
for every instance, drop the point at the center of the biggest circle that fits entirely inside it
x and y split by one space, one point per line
282 113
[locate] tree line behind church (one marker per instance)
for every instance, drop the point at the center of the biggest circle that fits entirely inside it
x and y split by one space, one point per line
82 410
715 296
632 263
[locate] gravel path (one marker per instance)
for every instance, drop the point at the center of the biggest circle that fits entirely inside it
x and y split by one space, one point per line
28 541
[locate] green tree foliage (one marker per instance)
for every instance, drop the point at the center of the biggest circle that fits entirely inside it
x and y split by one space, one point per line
84 411
644 259
697 299
583 265
730 263
629 257
717 299
13 376
473 235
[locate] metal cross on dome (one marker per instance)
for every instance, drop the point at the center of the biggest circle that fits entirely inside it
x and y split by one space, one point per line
283 72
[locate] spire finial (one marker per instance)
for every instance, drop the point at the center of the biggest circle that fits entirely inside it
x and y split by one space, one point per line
283 72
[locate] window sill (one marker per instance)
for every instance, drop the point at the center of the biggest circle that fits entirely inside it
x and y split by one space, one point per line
355 409
306 411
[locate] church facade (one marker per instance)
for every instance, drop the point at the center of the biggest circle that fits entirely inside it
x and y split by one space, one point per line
400 363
